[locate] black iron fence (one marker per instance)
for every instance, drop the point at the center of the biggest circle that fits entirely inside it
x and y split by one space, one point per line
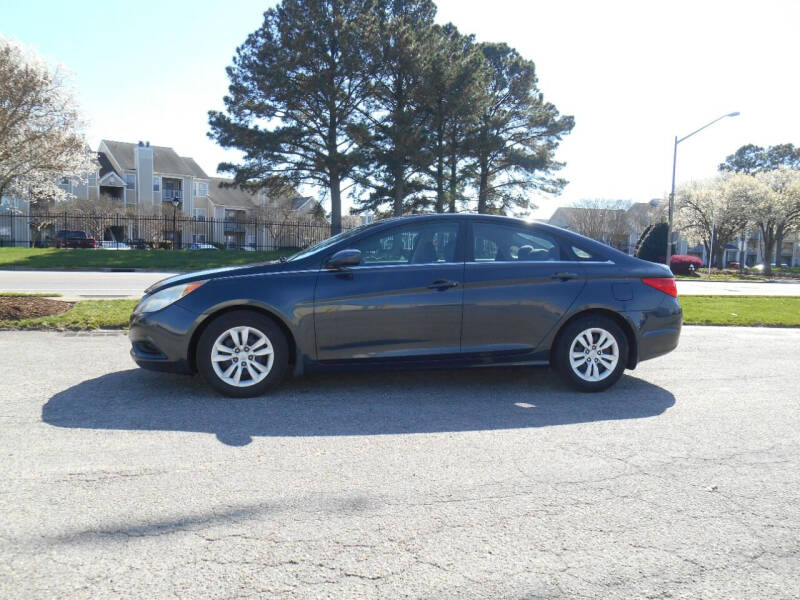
156 231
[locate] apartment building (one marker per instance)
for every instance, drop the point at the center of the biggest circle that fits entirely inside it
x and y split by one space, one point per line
145 180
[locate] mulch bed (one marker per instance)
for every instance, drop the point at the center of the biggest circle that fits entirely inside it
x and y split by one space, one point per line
13 308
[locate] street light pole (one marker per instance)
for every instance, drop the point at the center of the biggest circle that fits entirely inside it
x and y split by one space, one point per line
175 203
672 191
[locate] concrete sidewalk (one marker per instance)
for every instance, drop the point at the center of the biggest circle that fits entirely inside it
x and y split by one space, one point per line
81 285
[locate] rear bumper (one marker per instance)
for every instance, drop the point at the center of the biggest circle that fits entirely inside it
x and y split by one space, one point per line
659 330
160 340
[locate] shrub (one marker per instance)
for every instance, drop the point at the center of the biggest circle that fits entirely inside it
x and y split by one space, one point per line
652 244
679 263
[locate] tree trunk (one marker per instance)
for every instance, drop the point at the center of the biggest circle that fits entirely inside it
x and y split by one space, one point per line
742 252
440 183
440 199
453 173
399 192
483 187
336 203
778 248
768 236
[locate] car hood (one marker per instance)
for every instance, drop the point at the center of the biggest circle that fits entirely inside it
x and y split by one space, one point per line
270 267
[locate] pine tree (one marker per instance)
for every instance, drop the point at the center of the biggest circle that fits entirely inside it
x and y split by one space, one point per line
517 135
394 120
451 97
296 85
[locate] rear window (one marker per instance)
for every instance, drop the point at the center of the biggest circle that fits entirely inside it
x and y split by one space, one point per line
581 253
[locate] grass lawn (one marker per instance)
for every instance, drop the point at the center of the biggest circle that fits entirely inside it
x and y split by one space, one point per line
28 295
84 315
153 260
769 311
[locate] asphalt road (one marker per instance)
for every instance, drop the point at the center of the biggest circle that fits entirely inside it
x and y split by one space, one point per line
94 284
681 482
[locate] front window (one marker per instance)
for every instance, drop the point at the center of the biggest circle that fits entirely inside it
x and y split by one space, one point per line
200 214
92 180
421 243
507 243
156 184
319 247
130 181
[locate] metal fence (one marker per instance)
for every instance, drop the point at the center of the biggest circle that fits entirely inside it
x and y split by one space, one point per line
159 231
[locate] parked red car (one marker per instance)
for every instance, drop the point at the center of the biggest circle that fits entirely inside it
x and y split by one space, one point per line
67 238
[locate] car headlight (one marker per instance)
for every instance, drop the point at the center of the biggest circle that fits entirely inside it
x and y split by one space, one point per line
165 297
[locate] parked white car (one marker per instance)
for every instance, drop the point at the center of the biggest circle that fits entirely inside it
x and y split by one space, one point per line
202 247
112 245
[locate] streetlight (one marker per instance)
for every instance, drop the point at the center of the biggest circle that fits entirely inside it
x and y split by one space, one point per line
674 163
175 203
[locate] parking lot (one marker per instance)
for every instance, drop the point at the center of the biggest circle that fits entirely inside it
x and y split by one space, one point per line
683 481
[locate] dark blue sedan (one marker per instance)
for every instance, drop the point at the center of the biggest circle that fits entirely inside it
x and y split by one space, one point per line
423 291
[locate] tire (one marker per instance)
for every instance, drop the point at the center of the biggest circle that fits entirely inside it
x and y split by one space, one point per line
260 368
584 365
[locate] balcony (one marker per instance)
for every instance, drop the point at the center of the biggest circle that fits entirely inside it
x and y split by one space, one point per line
170 195
233 227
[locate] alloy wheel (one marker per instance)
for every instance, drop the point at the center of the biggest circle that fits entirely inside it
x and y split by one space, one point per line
242 356
594 354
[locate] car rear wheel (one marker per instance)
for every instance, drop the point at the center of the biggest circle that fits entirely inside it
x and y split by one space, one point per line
591 353
242 354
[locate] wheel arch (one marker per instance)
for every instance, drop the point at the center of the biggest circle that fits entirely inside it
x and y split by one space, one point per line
210 318
625 325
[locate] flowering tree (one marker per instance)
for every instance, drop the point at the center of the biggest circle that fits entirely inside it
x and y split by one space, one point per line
716 209
41 132
777 211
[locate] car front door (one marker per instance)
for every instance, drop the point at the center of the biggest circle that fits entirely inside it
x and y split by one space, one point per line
403 299
516 287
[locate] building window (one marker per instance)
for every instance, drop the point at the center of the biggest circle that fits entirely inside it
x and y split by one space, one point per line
156 184
201 189
130 181
200 214
92 179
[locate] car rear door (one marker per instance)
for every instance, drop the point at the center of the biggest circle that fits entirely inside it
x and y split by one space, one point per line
403 300
516 287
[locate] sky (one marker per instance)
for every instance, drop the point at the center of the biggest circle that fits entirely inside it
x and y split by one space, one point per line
633 74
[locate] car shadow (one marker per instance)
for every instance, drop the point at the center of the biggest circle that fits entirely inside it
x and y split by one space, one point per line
376 403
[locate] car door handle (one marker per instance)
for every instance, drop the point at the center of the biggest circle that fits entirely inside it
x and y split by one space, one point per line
442 284
565 275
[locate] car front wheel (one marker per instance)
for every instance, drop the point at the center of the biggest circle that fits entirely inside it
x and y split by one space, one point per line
242 354
591 353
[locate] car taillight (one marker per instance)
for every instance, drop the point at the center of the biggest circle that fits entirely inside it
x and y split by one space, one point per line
662 284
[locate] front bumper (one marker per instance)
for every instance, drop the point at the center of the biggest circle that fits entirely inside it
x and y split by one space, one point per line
160 340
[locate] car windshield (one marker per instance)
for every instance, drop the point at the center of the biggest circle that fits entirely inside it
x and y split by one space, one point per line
328 242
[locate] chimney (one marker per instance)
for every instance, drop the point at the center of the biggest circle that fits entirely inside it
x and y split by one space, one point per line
144 174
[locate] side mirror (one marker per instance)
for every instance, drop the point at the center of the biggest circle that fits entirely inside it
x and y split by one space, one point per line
349 257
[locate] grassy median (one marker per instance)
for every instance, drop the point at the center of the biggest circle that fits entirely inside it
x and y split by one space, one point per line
767 311
152 260
84 315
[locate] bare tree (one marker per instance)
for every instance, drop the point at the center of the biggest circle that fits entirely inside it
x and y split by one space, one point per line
602 220
41 133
